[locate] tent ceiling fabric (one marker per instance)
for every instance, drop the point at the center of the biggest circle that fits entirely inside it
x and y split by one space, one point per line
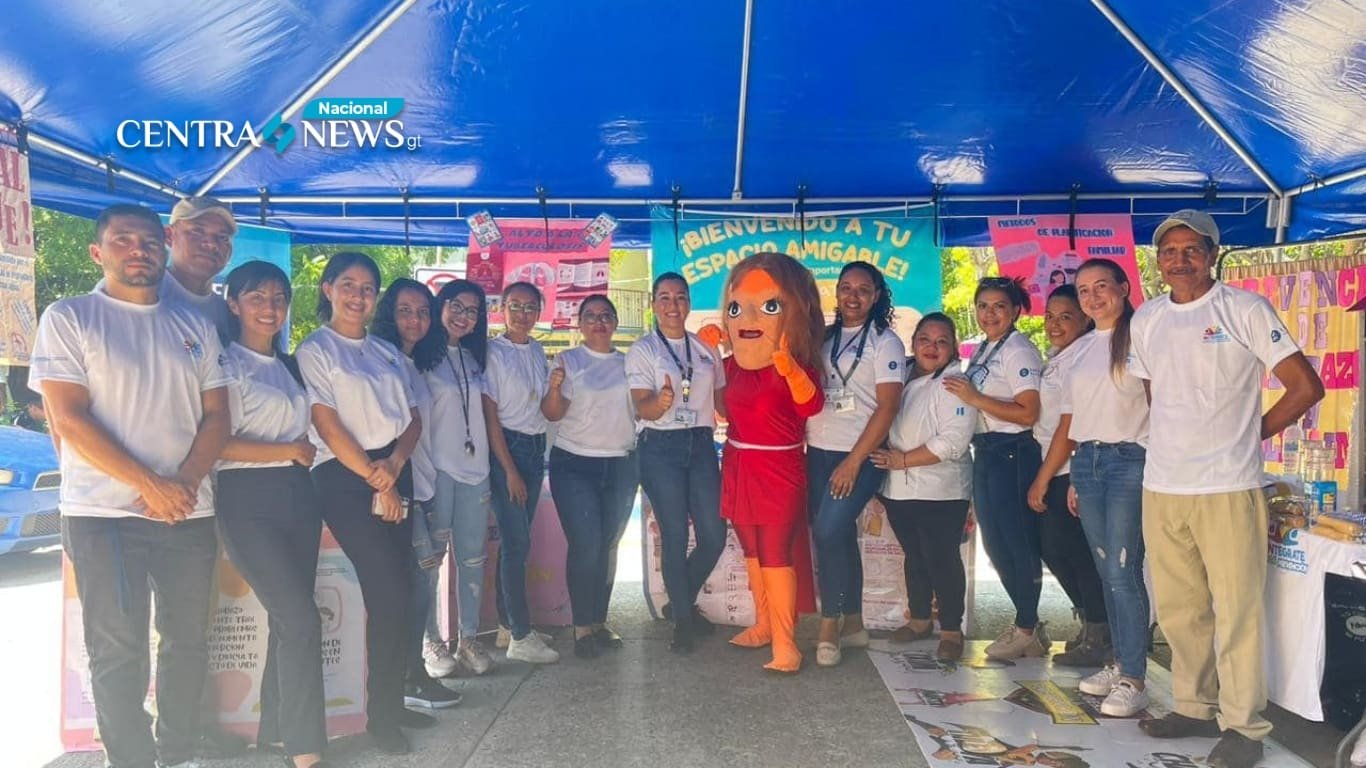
619 101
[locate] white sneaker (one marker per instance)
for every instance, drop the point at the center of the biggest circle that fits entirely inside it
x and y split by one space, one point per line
1125 700
532 649
436 657
472 656
1013 644
1100 683
505 637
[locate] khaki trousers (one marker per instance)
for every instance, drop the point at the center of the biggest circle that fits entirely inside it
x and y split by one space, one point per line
1208 558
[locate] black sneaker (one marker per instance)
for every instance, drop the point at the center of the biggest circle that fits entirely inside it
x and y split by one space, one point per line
683 639
415 720
1088 654
429 693
390 741
218 745
1234 750
586 647
1174 726
608 639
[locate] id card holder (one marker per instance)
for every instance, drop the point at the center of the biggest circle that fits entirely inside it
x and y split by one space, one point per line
685 416
839 400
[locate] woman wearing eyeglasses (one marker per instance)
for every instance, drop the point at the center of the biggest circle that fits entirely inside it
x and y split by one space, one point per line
451 358
862 393
1062 542
677 382
593 474
1002 383
516 378
365 416
929 479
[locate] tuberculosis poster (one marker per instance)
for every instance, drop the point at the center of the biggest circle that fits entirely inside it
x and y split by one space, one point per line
705 249
1045 252
18 313
564 258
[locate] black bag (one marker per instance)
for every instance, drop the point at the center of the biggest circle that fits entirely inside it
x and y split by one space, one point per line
1343 691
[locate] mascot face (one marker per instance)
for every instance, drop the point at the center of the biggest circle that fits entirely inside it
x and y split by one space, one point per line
754 319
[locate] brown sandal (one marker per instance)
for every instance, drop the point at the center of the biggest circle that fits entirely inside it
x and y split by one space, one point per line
950 649
906 634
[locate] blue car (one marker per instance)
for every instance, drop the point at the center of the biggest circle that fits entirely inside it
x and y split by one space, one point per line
29 481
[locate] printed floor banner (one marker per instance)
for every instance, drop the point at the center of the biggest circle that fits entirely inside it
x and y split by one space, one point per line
1038 249
18 312
980 712
554 256
1312 299
237 652
725 597
705 249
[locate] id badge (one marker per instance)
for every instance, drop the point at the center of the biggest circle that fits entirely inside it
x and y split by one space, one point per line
685 416
839 400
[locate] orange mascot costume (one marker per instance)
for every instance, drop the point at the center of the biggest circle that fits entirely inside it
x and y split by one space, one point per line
773 324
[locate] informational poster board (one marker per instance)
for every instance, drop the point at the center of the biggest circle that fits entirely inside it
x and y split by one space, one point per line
18 311
554 256
1045 251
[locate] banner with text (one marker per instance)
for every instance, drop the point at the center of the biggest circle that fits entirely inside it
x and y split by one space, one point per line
557 257
18 312
1039 250
1312 299
705 250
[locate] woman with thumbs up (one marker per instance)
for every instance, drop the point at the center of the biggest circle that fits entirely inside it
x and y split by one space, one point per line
593 475
676 382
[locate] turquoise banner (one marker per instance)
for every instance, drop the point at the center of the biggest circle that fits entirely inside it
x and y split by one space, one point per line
706 248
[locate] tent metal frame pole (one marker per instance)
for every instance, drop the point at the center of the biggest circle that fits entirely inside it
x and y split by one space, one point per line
1177 85
784 201
57 147
737 189
1329 181
312 90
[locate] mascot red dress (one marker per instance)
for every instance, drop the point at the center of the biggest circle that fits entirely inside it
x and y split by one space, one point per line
773 324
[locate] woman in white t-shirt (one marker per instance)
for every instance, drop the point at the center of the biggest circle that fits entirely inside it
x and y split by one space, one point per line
403 318
1002 383
862 394
677 382
593 473
1062 543
516 381
1109 426
266 508
452 359
365 417
928 484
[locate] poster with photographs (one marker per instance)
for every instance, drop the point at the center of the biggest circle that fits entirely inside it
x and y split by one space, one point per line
1044 252
18 310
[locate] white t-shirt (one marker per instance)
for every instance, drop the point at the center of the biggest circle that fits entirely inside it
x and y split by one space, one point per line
1104 409
931 416
146 368
266 403
883 362
1052 394
424 471
458 372
516 380
1205 360
364 380
647 363
1014 368
211 306
601 420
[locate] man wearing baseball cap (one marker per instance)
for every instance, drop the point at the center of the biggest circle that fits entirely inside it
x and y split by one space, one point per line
1204 348
200 236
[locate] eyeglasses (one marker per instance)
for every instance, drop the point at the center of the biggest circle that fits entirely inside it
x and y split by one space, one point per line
456 308
589 318
518 307
1190 252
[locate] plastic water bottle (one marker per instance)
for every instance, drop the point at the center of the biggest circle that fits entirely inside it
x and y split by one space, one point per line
1292 441
1320 483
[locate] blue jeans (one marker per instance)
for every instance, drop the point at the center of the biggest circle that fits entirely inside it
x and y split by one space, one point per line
682 478
1109 482
834 527
593 496
1004 466
514 527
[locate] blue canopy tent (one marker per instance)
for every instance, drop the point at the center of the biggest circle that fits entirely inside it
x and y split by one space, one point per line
1255 110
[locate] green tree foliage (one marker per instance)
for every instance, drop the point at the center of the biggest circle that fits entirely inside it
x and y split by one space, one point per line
63 267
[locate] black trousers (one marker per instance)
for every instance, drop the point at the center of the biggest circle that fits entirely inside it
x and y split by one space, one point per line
930 533
269 523
380 552
1062 543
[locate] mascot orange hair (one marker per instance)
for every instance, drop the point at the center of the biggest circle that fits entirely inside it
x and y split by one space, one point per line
773 323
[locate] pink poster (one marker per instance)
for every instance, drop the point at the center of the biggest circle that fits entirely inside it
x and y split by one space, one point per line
1038 249
554 257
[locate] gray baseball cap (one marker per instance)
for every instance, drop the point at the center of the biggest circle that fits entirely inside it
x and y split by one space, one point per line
1199 221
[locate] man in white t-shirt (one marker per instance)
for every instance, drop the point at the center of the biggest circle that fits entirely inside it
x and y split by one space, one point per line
1204 349
135 389
200 238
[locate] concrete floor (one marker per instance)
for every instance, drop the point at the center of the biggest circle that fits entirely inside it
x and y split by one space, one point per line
643 706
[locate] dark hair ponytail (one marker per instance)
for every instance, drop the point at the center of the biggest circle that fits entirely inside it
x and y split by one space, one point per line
881 313
1120 339
336 265
247 277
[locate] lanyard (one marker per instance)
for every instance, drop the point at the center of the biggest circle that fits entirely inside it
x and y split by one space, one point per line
977 360
462 383
858 353
686 384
